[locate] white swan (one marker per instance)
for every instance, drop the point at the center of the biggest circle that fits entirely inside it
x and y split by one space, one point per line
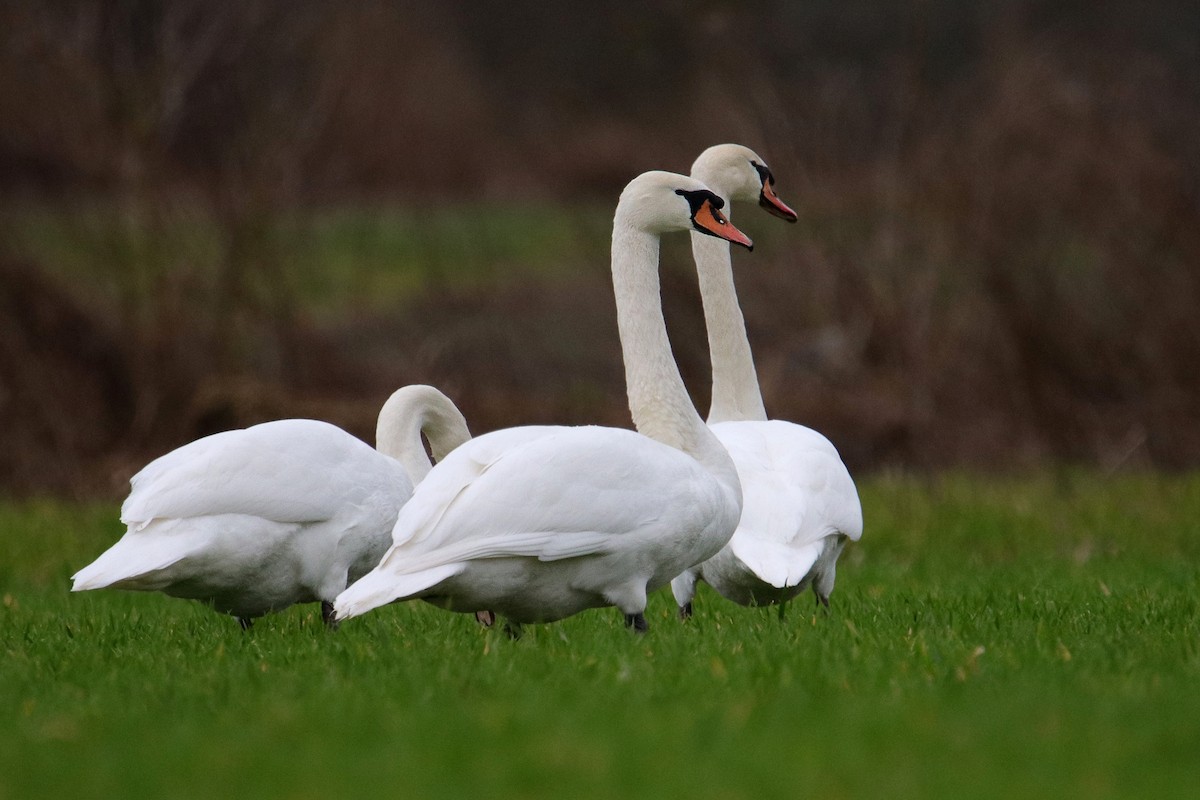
539 523
800 503
254 520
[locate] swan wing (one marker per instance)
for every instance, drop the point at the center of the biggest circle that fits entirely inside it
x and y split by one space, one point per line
287 471
553 493
520 488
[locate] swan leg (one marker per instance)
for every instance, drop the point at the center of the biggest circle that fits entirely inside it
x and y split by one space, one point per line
485 618
328 616
683 588
245 622
512 629
637 622
782 606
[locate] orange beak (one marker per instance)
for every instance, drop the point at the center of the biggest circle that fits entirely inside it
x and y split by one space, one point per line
774 206
711 221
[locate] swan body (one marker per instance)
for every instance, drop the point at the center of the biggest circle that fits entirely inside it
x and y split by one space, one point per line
800 503
538 523
291 511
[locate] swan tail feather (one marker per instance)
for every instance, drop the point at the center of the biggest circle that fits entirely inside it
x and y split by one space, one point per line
776 563
138 565
380 587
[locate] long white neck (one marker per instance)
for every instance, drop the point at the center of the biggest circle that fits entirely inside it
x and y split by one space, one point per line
735 392
407 414
658 399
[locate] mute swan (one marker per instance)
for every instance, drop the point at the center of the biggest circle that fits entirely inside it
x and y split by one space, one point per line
539 523
800 504
254 520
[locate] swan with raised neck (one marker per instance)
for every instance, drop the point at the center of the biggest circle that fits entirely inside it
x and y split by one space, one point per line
539 523
800 503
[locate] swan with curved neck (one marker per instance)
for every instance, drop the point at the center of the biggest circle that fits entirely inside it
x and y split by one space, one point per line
252 521
800 503
413 411
539 523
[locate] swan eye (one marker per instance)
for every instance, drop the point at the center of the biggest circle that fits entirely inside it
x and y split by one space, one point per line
698 197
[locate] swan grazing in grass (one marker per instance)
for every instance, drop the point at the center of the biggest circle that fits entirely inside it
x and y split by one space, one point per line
254 520
800 504
539 523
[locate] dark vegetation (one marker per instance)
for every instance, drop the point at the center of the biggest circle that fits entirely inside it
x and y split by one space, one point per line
996 264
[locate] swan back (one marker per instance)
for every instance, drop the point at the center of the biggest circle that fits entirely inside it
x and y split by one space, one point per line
285 470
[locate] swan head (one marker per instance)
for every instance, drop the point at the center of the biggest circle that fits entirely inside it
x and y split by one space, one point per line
738 173
664 202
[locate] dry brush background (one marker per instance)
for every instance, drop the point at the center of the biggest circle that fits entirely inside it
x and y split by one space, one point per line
996 264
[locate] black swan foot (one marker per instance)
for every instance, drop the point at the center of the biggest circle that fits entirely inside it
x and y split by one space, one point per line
327 615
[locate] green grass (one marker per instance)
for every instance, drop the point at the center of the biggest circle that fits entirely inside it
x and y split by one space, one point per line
989 638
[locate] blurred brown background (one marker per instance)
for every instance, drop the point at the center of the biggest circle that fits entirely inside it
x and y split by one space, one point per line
212 215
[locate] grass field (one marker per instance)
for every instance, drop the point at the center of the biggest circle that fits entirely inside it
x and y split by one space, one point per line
998 638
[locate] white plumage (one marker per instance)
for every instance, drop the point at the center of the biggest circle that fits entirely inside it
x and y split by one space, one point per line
539 523
800 503
799 508
255 520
